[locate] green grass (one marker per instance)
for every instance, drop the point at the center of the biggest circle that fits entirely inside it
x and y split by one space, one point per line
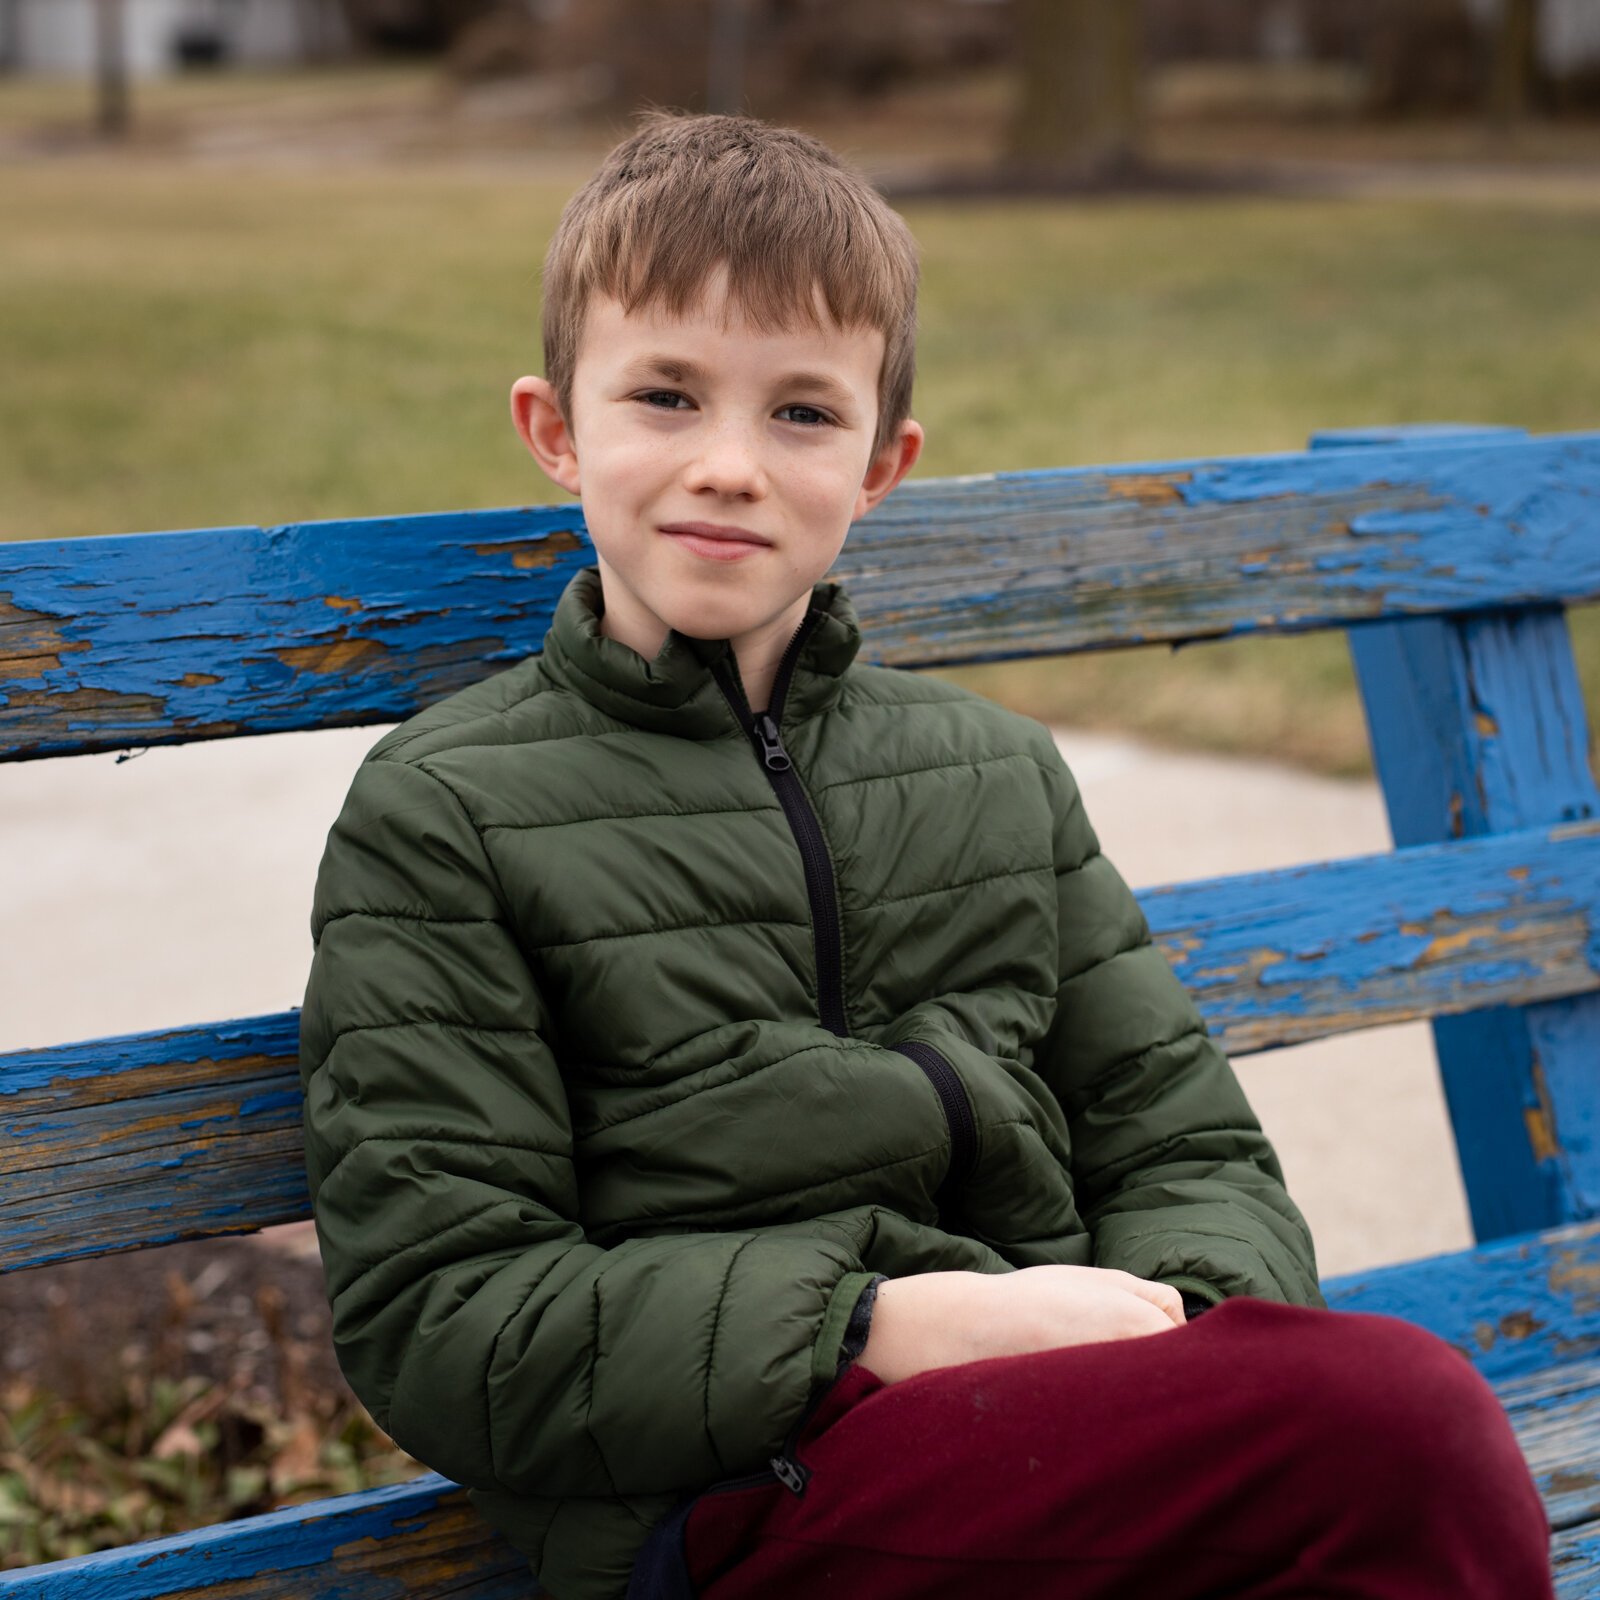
187 346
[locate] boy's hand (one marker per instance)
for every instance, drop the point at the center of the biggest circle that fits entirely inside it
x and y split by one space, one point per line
942 1319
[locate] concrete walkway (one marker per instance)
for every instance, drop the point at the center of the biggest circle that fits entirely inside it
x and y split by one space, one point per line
175 887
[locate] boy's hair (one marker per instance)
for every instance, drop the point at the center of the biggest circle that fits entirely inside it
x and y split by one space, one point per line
786 217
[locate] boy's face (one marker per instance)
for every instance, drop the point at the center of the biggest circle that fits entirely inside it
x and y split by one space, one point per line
720 466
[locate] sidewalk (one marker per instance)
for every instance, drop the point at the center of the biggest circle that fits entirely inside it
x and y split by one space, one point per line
175 887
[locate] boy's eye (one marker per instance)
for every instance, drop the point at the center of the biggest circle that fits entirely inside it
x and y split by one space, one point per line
807 416
663 399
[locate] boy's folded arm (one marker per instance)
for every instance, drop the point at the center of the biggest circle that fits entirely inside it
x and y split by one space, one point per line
1174 1177
471 1314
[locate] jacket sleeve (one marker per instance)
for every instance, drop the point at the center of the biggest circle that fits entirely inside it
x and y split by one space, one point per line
1174 1177
471 1315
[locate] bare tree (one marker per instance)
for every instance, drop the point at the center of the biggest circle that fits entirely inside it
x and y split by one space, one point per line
111 67
725 64
1079 107
10 35
1514 68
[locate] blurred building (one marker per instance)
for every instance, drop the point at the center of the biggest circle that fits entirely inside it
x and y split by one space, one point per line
1187 30
1414 55
160 36
1569 33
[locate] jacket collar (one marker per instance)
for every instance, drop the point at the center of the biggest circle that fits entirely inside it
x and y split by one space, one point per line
677 691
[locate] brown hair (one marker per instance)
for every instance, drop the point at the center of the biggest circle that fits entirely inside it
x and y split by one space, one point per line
685 194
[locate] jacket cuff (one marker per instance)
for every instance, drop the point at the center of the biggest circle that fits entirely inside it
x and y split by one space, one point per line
825 1352
1197 1295
860 1324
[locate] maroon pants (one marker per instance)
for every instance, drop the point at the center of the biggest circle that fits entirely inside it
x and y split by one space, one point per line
1258 1453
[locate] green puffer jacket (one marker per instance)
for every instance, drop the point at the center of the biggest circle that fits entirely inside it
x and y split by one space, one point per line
641 1031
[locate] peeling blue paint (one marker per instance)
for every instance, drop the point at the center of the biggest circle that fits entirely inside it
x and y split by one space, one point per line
288 589
28 1071
276 1101
349 622
132 1141
1548 1283
1278 956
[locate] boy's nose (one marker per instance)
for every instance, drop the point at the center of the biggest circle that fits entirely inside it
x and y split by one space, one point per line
727 464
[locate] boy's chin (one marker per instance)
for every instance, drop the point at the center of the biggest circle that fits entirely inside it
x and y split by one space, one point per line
726 615
708 621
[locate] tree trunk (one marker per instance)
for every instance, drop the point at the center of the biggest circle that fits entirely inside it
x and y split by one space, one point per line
1078 111
1515 65
315 19
10 36
111 67
729 36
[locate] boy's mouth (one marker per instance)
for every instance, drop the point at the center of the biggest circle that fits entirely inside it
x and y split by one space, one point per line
718 541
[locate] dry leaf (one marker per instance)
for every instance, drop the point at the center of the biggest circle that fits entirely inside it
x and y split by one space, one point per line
299 1457
177 1439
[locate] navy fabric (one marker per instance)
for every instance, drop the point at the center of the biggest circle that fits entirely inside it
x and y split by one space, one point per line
661 1569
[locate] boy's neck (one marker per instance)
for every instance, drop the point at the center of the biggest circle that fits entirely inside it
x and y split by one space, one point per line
758 652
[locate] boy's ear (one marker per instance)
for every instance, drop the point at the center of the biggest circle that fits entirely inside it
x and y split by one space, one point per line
536 413
889 466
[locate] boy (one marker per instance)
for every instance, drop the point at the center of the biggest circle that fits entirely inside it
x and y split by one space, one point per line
731 1067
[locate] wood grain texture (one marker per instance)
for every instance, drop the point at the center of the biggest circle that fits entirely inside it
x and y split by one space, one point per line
143 639
120 1143
145 1139
1556 1415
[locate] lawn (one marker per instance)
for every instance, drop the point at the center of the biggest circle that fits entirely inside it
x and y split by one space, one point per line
187 345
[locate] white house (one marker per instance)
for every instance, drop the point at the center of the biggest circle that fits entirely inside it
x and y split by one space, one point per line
1569 32
58 36
1571 37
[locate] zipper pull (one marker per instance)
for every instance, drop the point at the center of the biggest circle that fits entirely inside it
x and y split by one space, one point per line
793 1475
772 751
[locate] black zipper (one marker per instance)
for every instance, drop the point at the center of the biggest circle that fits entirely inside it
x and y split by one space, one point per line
764 731
957 1108
786 1467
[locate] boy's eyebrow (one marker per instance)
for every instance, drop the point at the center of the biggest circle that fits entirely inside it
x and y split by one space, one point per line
679 369
817 383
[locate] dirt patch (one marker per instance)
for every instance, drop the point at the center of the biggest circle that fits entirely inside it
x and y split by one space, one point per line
163 1390
224 1310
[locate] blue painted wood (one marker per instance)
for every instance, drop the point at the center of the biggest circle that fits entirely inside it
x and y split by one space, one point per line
1478 726
150 1138
1407 433
1517 1306
166 638
1280 957
160 638
1556 1416
1526 1312
119 1143
1575 1556
413 1541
